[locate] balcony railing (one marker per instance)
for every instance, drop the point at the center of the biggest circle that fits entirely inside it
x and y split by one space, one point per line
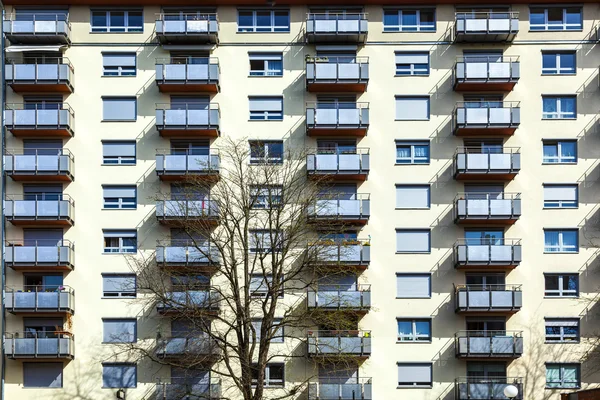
39 345
42 207
489 344
182 389
337 72
171 162
187 27
342 252
178 300
334 162
487 252
340 297
486 72
42 254
193 72
499 26
337 116
351 26
186 252
476 161
187 208
487 206
334 343
51 119
189 116
338 207
39 299
494 117
40 74
486 388
502 298
341 389
185 345
43 27
31 164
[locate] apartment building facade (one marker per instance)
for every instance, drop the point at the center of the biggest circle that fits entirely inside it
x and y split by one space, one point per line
465 144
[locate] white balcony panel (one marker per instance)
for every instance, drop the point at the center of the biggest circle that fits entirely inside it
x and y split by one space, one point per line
349 116
497 25
349 162
325 26
477 70
326 116
500 207
349 70
500 161
477 207
478 253
501 253
327 162
499 70
326 70
477 161
500 116
477 115
475 25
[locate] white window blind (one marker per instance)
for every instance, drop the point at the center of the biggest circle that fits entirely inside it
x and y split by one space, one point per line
412 241
118 191
412 108
119 108
119 330
412 58
412 374
413 286
413 196
560 192
118 59
119 285
266 104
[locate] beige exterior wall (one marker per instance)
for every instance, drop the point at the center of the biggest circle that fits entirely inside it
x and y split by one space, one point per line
82 377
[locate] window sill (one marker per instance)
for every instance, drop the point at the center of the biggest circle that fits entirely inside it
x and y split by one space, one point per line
560 208
561 342
265 120
413 252
116 33
118 297
118 120
555 30
410 120
413 164
561 297
565 74
117 342
414 387
413 208
562 387
559 163
265 76
119 209
118 76
401 31
561 252
414 342
559 119
412 298
412 75
117 254
245 32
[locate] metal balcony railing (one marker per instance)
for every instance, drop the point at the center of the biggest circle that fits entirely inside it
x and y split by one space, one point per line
490 252
486 388
352 252
337 206
42 25
337 23
42 253
333 161
485 68
337 69
186 251
40 299
187 23
337 115
491 206
39 206
187 70
187 208
487 23
183 343
38 70
506 297
340 297
189 116
48 115
478 160
183 389
341 389
170 161
179 299
39 162
489 344
332 343
38 345
487 114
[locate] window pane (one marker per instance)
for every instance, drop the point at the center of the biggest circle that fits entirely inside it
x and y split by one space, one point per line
42 375
117 20
549 60
263 19
135 21
99 19
391 18
422 328
536 17
245 18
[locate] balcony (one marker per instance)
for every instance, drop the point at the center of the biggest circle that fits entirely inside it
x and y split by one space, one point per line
486 118
340 298
486 73
39 255
39 345
37 75
341 389
482 27
470 164
174 166
339 165
345 27
34 300
488 388
187 28
39 210
488 298
339 343
185 74
174 212
199 256
188 121
186 346
498 209
487 254
38 28
39 166
342 253
334 209
489 344
182 389
44 121
337 119
202 301
337 74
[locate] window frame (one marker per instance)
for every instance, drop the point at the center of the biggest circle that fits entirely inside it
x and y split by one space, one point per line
264 278
557 54
265 115
121 249
120 159
560 115
560 292
134 320
107 28
420 27
561 366
559 157
414 97
123 294
264 201
121 71
272 27
414 337
413 186
428 230
266 70
120 203
263 250
412 145
416 385
276 339
109 98
561 247
412 70
267 382
408 274
267 160
545 26
124 364
560 338
561 204
26 386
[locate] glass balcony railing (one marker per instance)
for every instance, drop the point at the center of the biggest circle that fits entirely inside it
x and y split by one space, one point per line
44 254
38 28
345 115
341 252
348 26
187 27
340 297
341 207
487 206
502 162
171 162
338 162
49 119
187 389
190 116
40 299
40 163
46 74
486 388
486 70
341 389
488 252
180 299
486 298
188 71
335 343
39 208
501 26
487 115
186 252
337 70
184 344
187 208
486 344
39 345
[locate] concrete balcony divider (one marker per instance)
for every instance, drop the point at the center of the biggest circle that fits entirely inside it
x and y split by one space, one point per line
488 298
340 297
49 120
341 389
489 344
345 165
473 164
38 300
486 118
40 75
39 165
45 255
487 253
345 74
180 389
488 388
186 252
187 27
495 26
38 28
40 209
336 343
499 208
348 27
39 345
197 74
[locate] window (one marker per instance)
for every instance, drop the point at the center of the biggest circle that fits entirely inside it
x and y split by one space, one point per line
562 330
277 335
266 197
263 21
413 240
416 63
266 64
119 330
119 108
558 62
123 197
118 64
119 376
412 152
555 19
561 241
118 153
559 107
564 376
409 20
561 285
118 285
412 108
117 21
43 374
270 152
274 374
263 240
412 196
415 374
560 196
414 330
261 284
560 152
120 241
266 108
413 286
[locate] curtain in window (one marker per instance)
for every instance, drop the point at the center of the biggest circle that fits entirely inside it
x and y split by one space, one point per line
549 105
551 240
552 376
569 240
569 376
567 150
567 105
421 151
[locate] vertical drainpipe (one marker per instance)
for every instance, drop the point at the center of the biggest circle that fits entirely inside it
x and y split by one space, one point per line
2 230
